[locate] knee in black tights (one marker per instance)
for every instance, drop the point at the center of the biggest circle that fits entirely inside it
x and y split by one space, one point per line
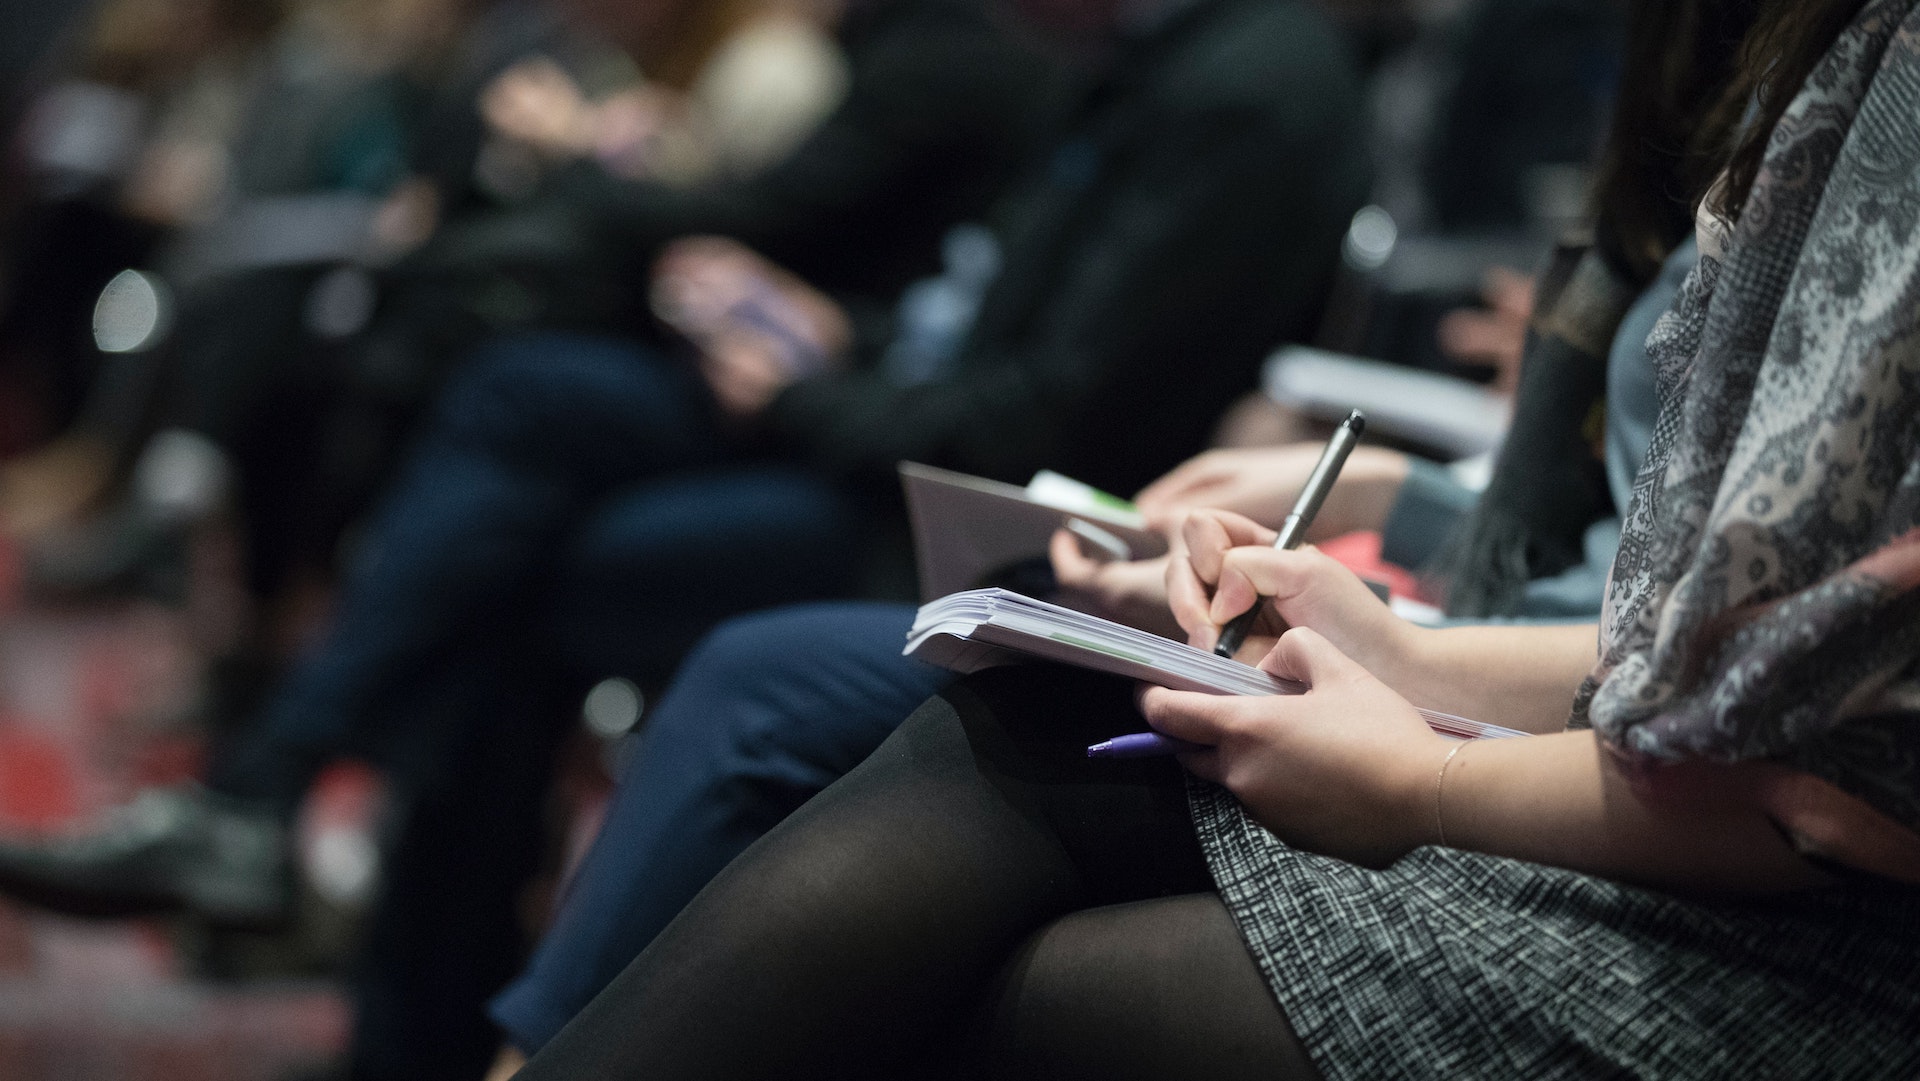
859 934
1155 989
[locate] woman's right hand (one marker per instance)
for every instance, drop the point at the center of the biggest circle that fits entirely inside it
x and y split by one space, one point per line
537 103
1263 482
1230 566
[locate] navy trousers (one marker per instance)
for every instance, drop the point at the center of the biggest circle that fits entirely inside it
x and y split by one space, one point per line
767 711
572 512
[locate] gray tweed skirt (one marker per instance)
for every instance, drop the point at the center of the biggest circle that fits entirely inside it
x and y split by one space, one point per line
1459 965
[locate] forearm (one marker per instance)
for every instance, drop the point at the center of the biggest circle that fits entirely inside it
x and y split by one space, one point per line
1564 800
1518 676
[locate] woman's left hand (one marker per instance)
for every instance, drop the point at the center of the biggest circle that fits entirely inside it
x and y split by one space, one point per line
1347 769
1131 591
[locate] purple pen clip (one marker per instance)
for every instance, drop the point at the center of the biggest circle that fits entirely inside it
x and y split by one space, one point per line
1141 745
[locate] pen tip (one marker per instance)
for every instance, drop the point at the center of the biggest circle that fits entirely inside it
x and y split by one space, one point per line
1357 421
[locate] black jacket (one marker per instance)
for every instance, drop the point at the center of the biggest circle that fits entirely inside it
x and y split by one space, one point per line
1186 221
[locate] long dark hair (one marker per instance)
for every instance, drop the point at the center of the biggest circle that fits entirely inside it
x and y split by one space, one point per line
1682 59
1705 82
1779 53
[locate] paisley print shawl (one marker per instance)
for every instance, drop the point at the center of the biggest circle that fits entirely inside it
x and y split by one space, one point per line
1765 603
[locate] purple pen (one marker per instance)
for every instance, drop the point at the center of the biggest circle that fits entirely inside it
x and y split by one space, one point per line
1141 745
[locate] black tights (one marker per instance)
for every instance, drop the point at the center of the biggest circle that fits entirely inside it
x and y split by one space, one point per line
977 899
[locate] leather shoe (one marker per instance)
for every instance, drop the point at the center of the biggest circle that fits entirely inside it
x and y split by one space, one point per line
170 850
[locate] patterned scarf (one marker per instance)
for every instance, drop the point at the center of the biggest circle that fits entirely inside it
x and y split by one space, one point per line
1765 604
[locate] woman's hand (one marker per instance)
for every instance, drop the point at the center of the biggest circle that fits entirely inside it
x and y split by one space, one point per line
1347 769
1263 482
537 103
1132 591
1230 566
758 328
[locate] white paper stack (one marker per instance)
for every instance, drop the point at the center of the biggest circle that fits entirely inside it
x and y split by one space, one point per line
985 628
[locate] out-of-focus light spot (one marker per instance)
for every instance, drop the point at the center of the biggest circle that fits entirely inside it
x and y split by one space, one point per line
132 313
341 303
343 866
612 708
1370 239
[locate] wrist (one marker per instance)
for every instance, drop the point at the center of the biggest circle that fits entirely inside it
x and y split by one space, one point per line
1423 809
1427 768
1401 655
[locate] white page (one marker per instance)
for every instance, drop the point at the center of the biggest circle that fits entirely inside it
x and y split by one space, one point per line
982 628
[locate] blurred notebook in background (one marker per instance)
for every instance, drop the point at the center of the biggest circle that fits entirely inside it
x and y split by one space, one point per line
969 531
1451 417
986 628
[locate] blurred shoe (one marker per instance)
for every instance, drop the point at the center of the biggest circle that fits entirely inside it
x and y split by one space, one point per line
170 850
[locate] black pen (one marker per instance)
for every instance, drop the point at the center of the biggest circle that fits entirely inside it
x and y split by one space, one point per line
1294 529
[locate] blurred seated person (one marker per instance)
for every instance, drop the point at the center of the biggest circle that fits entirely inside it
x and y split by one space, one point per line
585 505
299 163
127 146
769 73
296 412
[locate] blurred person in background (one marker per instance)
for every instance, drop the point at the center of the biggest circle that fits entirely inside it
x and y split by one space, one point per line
296 415
582 500
745 81
289 170
117 155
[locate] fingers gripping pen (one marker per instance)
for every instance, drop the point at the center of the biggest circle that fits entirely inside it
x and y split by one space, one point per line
1294 529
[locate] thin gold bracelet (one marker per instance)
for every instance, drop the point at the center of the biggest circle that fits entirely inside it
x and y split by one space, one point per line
1439 786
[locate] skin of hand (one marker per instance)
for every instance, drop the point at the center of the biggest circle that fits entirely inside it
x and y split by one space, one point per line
1346 768
507 1063
1126 591
406 217
628 126
1349 768
536 102
745 370
1519 676
1263 482
1496 335
702 287
1230 565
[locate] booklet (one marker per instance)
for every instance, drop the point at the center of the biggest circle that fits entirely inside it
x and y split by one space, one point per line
1451 416
970 532
985 628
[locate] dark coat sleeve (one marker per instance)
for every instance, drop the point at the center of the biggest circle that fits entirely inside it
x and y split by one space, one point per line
1212 244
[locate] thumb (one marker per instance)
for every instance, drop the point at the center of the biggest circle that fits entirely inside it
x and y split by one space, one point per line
1305 656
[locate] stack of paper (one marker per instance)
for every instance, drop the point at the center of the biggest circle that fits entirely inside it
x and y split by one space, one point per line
984 628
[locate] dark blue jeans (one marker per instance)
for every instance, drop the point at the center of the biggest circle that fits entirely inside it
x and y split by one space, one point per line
573 512
767 711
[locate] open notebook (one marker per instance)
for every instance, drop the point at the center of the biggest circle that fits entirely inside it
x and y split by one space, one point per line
969 531
984 628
